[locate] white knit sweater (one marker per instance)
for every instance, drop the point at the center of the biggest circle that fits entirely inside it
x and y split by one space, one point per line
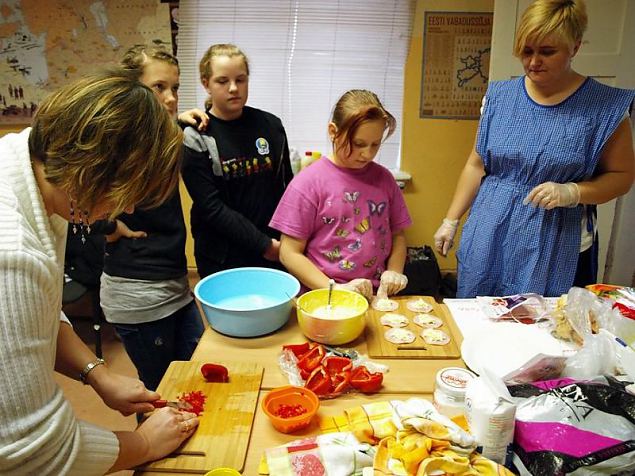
38 430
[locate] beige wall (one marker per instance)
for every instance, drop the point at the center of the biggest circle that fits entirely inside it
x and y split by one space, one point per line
433 150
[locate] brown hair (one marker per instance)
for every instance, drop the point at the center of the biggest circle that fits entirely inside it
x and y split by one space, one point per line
220 49
137 57
107 137
356 107
566 19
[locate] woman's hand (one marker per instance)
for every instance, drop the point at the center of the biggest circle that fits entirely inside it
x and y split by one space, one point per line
550 195
390 283
444 237
122 231
194 117
359 285
125 394
272 253
165 430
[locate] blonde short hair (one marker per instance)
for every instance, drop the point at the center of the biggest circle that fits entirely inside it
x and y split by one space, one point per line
566 19
353 109
107 137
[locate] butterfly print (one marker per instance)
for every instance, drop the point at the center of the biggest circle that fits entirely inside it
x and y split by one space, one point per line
363 226
351 197
342 233
370 263
376 208
346 265
356 245
328 220
333 255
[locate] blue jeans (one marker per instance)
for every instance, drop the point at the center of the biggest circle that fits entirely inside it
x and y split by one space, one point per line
153 345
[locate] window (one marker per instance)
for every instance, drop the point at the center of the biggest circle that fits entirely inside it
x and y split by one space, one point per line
303 55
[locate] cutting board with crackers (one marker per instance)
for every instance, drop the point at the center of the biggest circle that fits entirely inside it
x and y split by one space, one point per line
222 437
410 327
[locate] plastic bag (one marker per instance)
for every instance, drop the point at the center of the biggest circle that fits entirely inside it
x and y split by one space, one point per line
523 308
288 363
568 426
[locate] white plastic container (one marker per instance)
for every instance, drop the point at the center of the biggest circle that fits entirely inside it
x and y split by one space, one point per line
449 391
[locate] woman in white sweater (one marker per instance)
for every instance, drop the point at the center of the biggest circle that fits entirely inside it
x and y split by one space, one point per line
98 147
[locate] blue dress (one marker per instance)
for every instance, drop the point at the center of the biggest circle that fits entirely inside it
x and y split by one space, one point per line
510 248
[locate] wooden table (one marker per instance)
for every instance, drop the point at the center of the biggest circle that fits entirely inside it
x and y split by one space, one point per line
406 378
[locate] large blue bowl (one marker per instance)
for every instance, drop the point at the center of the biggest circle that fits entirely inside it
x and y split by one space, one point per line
247 302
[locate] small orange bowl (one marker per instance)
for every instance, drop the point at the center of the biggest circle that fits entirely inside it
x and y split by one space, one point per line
286 399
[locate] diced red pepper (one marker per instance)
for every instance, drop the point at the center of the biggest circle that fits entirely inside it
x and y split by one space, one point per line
312 359
196 399
215 373
319 382
365 381
289 411
299 350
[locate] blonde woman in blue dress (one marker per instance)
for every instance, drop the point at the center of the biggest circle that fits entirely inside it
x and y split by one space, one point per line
550 146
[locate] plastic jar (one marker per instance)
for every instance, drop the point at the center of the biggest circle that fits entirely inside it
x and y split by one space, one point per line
449 391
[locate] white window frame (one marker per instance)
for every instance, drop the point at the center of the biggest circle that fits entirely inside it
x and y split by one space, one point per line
303 55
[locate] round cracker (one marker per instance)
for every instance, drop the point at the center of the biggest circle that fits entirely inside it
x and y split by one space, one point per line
435 336
398 335
419 305
427 320
384 304
392 319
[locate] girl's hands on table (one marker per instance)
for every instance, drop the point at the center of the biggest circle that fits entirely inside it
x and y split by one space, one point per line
359 285
165 430
390 283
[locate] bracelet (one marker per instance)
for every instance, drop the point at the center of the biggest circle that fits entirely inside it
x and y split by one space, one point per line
88 369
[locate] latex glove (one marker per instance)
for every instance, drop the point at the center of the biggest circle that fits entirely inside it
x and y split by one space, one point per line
125 394
391 282
550 195
359 285
444 237
194 117
165 430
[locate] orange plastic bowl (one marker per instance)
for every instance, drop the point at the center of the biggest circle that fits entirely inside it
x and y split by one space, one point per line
290 395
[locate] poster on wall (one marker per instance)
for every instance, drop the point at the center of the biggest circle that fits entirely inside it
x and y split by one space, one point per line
43 48
456 53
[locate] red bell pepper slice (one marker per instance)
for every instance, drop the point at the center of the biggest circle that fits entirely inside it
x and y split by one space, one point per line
365 381
215 373
299 350
312 359
341 381
334 364
319 382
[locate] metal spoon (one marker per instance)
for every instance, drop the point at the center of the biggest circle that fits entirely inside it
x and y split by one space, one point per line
328 301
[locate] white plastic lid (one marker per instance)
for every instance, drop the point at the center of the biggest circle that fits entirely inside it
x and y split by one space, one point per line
453 380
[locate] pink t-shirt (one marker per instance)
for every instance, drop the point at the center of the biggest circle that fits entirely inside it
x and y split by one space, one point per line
346 216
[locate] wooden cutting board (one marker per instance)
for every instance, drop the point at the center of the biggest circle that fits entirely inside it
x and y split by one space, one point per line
222 437
379 347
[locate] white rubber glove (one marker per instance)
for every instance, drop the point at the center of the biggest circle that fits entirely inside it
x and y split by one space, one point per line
444 237
359 285
391 282
550 195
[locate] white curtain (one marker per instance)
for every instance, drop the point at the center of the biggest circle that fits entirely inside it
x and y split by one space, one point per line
303 55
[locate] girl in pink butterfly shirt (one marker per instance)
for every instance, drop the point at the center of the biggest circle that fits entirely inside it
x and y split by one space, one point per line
344 216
